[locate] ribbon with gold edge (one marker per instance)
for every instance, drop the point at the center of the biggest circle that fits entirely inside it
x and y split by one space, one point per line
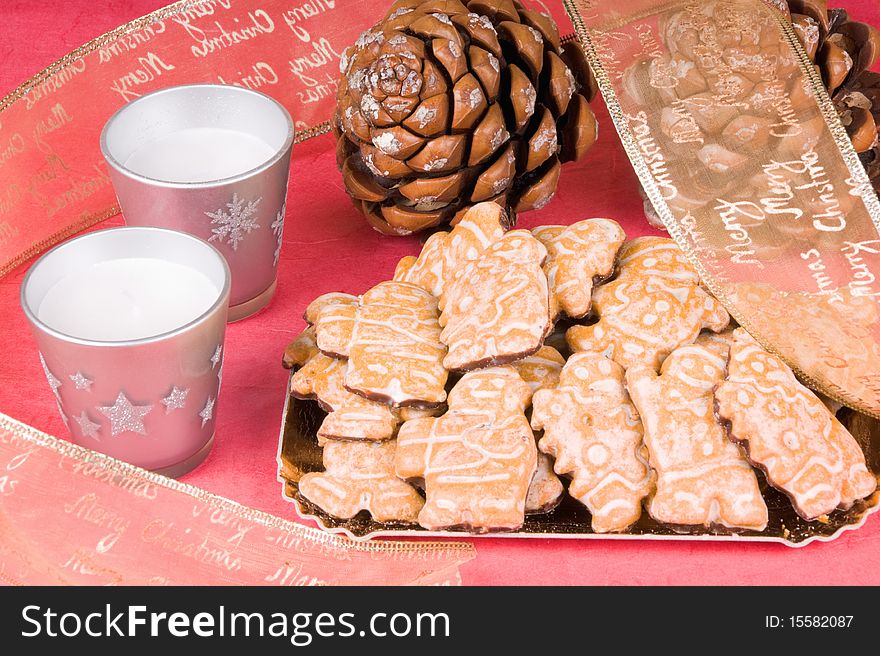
114 523
740 150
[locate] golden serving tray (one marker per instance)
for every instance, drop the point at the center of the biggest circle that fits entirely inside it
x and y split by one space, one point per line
299 454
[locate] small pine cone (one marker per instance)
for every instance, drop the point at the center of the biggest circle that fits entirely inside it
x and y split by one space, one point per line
447 103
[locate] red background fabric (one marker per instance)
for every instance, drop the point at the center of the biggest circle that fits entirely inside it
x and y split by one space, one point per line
328 247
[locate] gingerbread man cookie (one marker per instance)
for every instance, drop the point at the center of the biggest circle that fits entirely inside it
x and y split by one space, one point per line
496 309
653 306
592 429
789 433
702 478
351 417
444 253
392 342
477 460
577 256
360 476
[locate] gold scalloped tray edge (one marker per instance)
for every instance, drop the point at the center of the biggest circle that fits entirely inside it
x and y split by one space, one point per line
299 453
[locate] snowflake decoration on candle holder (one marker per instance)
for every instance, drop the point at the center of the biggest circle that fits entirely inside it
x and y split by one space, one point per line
234 225
277 230
217 358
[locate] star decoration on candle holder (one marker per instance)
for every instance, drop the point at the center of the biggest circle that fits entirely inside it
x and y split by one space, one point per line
87 426
218 355
278 229
81 382
54 382
175 400
207 412
125 416
234 225
62 413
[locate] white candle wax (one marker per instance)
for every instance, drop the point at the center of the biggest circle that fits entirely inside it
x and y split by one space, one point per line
199 155
128 298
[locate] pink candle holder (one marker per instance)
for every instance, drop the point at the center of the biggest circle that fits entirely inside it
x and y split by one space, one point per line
130 324
212 160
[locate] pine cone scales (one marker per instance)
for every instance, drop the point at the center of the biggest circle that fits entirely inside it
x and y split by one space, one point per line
446 103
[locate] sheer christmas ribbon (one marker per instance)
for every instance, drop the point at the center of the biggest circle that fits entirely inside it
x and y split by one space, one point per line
740 150
101 521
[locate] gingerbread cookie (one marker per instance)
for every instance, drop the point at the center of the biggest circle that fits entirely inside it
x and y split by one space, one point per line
654 305
541 369
300 350
789 433
496 309
392 344
702 478
360 476
332 318
578 255
351 417
477 460
592 429
717 343
444 253
545 490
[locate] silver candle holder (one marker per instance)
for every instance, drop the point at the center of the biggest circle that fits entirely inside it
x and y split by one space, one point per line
130 325
211 160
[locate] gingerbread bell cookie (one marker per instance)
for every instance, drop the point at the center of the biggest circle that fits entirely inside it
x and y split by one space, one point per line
654 305
477 460
592 429
702 478
496 309
577 256
789 433
360 476
392 344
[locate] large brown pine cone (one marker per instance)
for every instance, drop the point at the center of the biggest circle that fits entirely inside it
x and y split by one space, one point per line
446 103
843 50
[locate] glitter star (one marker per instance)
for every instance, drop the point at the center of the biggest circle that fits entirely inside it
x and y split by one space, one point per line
87 426
81 382
215 359
176 399
219 378
207 412
124 416
54 383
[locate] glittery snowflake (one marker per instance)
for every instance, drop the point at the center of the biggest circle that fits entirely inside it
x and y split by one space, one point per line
217 357
235 222
277 230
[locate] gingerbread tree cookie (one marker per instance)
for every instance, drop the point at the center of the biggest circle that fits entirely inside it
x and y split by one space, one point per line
654 305
790 433
332 319
702 478
496 309
392 342
301 349
360 476
478 459
578 255
592 429
444 253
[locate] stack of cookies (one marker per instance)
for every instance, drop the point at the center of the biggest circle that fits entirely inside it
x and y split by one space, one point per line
451 402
